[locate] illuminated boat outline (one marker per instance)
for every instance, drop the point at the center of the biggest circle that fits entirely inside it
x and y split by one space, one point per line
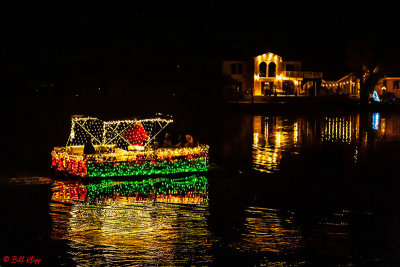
111 160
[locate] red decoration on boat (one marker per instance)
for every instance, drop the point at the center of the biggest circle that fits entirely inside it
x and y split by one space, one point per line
136 134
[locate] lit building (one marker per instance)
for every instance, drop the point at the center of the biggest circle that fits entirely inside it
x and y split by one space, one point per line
390 85
268 74
273 75
238 72
347 85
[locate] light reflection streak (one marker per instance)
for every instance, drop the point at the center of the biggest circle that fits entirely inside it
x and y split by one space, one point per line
268 231
375 121
340 129
383 126
272 232
271 139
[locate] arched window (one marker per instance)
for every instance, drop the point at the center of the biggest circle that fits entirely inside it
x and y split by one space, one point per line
272 69
263 69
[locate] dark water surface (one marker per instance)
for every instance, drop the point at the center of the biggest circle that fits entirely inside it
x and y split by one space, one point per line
318 189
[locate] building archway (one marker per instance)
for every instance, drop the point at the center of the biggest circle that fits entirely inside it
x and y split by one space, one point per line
272 69
263 69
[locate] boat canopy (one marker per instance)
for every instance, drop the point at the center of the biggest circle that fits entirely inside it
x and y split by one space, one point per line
112 132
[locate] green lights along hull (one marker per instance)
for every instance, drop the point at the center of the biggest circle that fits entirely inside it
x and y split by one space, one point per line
145 168
148 163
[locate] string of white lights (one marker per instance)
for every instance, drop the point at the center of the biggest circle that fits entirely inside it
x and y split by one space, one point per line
110 132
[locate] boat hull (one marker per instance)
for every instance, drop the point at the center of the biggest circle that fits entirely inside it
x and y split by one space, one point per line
159 162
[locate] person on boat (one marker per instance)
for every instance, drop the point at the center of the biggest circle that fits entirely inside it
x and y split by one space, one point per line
181 142
189 141
89 148
156 145
136 134
167 141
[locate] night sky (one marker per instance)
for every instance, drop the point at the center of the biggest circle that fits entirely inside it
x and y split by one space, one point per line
153 40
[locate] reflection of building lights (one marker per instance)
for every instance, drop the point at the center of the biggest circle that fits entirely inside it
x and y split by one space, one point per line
383 126
255 139
337 130
375 121
356 155
274 137
278 139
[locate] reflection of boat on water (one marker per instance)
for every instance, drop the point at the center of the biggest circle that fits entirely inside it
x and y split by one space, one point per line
140 221
115 156
190 189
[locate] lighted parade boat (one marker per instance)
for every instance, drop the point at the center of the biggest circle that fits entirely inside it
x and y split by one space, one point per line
115 156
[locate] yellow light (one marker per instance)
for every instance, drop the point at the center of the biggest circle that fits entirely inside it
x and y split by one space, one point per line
255 139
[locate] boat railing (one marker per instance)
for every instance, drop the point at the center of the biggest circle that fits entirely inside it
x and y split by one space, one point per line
118 154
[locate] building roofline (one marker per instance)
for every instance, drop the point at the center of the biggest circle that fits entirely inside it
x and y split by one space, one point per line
395 78
344 77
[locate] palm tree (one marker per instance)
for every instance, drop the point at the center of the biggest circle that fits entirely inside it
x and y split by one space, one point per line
368 79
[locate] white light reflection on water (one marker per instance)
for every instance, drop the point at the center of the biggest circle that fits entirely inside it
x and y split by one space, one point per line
156 234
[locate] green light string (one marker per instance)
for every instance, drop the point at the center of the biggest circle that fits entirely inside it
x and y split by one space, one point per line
112 169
